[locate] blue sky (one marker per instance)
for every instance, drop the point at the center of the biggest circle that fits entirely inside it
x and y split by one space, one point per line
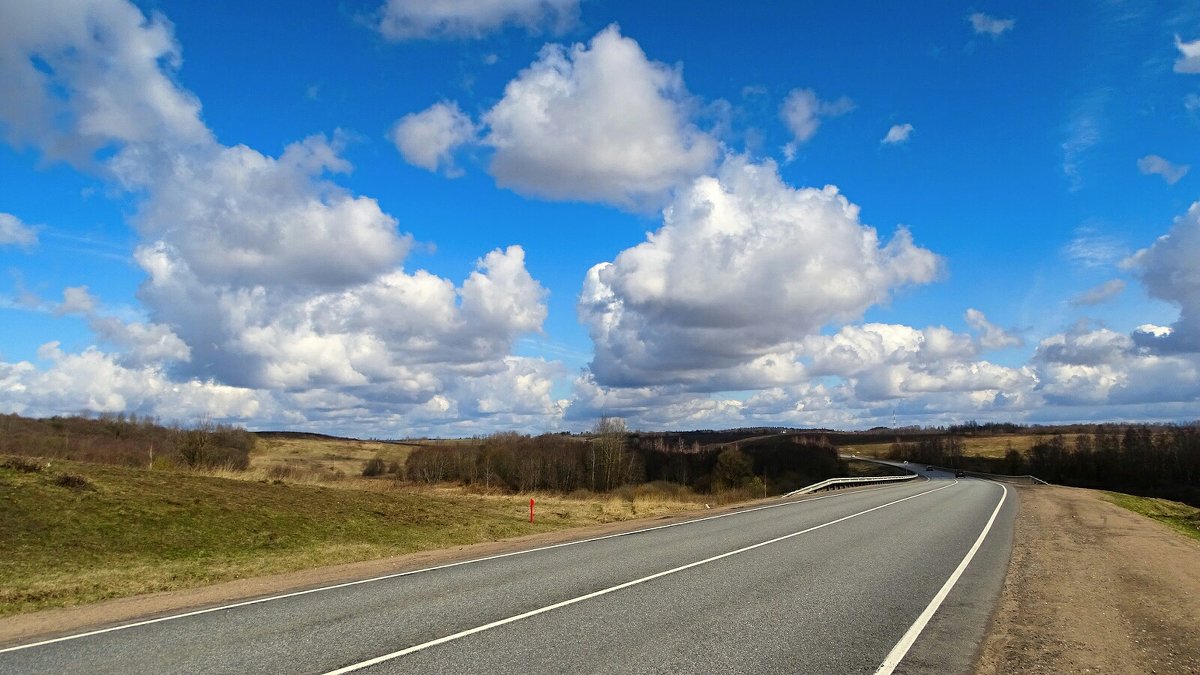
445 218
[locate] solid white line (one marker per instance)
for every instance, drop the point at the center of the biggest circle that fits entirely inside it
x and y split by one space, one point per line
271 598
898 652
611 589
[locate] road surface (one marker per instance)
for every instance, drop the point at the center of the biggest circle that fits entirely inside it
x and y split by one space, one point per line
831 583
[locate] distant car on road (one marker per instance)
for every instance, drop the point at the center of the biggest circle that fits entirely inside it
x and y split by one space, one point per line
929 468
960 474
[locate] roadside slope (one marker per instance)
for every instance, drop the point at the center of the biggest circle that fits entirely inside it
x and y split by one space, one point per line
1092 587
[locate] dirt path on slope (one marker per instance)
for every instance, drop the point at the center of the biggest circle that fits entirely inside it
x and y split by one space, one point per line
1094 588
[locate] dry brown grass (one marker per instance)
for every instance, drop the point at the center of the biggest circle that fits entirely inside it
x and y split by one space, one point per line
973 446
311 460
109 531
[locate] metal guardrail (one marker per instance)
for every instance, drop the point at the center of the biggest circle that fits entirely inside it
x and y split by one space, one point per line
836 483
999 477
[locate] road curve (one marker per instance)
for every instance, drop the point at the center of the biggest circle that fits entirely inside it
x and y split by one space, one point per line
827 584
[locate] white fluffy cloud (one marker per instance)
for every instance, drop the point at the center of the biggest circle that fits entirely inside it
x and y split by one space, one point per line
984 24
90 74
1100 367
1189 56
743 267
854 378
886 361
140 343
1170 272
243 218
429 138
13 232
802 112
1169 171
409 19
899 133
93 381
266 281
991 336
596 123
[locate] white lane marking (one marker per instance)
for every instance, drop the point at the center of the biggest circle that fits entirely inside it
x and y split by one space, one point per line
898 652
611 589
395 575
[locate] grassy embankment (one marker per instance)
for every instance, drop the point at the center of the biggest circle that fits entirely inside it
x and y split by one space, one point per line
74 532
1181 517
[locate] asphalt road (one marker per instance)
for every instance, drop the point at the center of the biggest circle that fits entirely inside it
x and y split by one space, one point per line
828 584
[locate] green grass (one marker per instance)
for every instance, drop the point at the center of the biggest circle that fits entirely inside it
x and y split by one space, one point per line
110 531
1184 518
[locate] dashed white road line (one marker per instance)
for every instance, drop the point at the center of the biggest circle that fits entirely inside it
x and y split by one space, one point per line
611 589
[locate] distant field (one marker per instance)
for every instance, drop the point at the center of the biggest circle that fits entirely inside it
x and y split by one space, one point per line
332 458
74 533
974 446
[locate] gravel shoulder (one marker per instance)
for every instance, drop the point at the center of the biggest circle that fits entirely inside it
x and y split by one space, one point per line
1094 588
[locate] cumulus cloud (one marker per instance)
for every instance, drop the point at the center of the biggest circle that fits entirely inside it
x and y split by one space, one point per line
854 378
596 123
429 138
140 343
405 334
263 274
13 232
93 381
742 268
802 111
1169 272
899 133
984 24
76 300
991 336
1170 172
91 75
887 361
1189 56
240 217
410 19
1098 366
1099 294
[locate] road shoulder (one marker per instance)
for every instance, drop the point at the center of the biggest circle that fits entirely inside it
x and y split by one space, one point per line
1092 587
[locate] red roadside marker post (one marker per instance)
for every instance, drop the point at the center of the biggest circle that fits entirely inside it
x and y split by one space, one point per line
531 509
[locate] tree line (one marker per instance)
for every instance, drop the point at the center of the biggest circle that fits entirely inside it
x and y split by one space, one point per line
611 457
1153 461
128 440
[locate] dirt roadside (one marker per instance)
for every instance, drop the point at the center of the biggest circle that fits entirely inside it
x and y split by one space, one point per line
1094 588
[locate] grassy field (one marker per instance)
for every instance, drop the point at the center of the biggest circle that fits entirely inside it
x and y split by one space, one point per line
74 533
320 458
1181 517
974 446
